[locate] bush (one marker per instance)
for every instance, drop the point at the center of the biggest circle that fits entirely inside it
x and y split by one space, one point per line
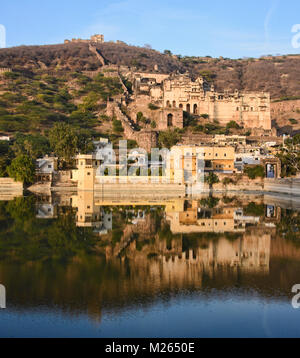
204 115
211 179
226 181
153 124
152 107
232 125
22 169
255 172
117 126
254 209
168 139
293 121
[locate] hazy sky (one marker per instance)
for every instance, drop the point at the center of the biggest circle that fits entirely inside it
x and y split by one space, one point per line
228 28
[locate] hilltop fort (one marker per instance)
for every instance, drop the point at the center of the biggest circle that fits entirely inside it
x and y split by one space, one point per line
95 38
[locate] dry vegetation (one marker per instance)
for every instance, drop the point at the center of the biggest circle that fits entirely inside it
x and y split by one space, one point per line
278 75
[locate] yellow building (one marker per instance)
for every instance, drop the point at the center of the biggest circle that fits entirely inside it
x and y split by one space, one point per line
85 173
186 162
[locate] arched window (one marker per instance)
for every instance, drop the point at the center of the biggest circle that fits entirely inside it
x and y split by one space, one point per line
174 104
168 104
170 120
195 110
188 108
181 106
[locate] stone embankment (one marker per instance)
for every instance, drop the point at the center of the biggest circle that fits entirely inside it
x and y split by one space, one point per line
10 188
289 186
138 190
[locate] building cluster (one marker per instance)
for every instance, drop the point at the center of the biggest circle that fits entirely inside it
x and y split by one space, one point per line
183 164
95 38
199 97
184 217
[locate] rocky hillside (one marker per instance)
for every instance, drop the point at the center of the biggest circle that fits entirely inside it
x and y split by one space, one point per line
47 84
278 75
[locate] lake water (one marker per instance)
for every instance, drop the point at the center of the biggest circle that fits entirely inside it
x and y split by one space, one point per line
86 266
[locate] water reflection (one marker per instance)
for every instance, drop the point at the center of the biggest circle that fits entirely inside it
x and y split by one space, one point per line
86 254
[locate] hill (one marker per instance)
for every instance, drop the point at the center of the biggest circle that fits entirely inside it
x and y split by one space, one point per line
61 82
278 75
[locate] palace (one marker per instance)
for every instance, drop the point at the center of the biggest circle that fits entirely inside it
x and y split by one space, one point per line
179 91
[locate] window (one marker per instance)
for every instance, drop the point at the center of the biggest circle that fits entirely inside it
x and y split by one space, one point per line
88 173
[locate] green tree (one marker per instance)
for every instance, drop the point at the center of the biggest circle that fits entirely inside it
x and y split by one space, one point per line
63 140
85 144
22 169
211 179
290 157
6 156
33 145
207 75
255 172
168 52
209 202
168 139
254 209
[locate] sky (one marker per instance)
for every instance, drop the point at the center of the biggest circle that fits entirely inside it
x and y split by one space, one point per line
231 28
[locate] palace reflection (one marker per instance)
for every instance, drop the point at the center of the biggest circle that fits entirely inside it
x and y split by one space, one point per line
190 236
85 252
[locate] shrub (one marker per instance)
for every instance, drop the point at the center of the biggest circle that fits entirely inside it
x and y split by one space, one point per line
293 121
204 115
22 169
254 209
255 172
168 139
152 107
211 179
117 126
232 125
227 181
